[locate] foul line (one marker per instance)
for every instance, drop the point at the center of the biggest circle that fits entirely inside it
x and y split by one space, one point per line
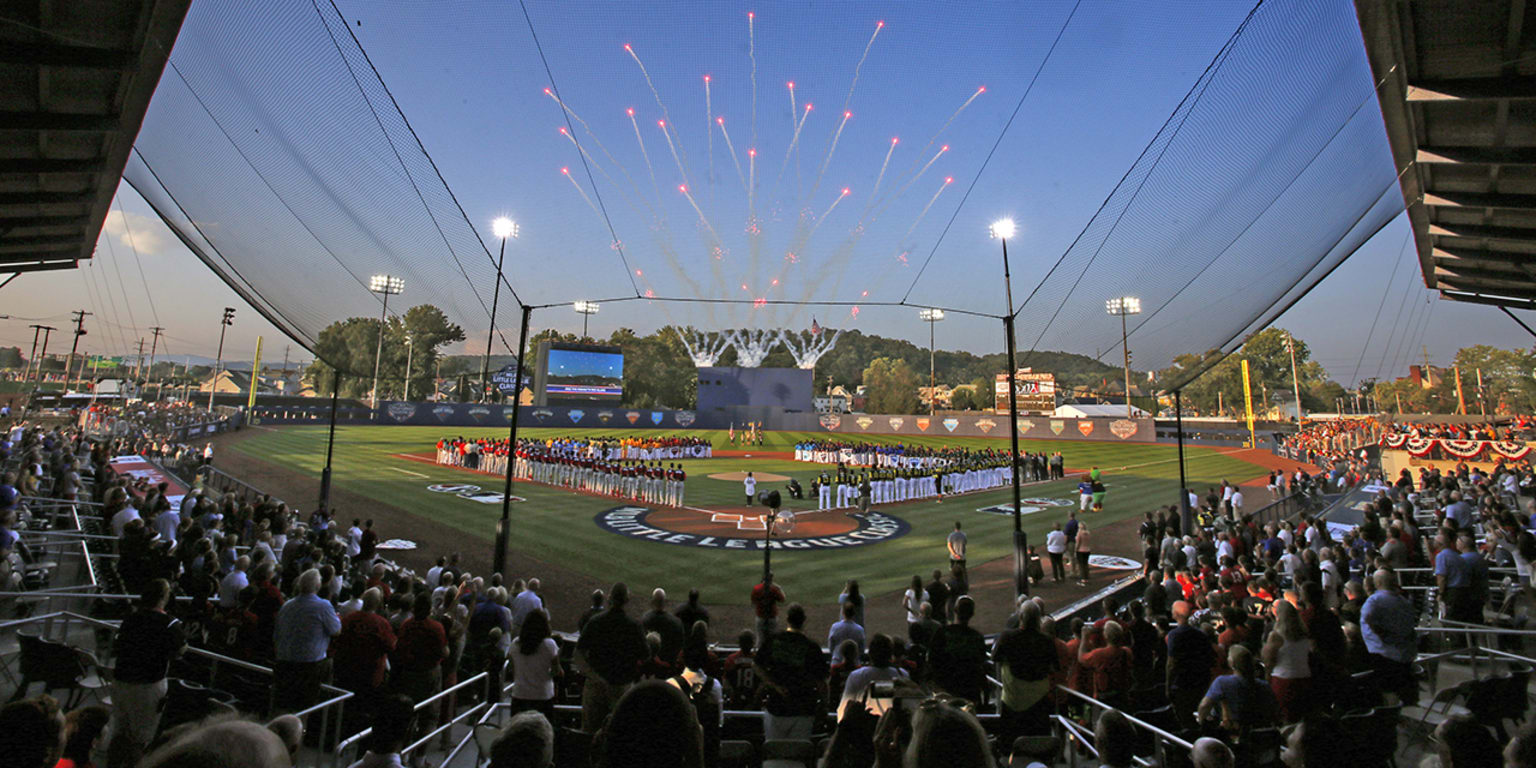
405 472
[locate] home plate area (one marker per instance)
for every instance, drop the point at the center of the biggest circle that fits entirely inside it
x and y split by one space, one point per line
744 528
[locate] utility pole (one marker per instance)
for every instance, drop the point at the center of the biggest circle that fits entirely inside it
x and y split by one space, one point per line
1290 344
80 316
36 329
218 362
138 368
153 345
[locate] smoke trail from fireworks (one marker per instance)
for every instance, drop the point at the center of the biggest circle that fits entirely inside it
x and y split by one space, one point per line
665 115
752 54
580 191
720 121
838 134
648 167
667 132
599 142
935 137
874 193
847 100
931 201
794 141
830 208
920 173
709 118
624 194
718 254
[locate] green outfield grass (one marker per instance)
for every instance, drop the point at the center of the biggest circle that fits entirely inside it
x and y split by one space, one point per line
557 526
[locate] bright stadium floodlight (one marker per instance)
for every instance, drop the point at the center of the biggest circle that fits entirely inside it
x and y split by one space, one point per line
586 309
386 286
931 316
504 228
1003 229
1122 306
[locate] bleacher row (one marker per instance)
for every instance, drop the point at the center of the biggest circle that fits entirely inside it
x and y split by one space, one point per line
66 589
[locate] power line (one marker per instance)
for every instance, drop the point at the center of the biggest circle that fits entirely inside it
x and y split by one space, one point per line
1385 291
988 159
131 244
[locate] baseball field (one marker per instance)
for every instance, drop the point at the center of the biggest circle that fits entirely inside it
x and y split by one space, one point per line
390 468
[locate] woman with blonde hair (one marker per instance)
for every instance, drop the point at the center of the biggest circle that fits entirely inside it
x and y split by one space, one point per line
1286 654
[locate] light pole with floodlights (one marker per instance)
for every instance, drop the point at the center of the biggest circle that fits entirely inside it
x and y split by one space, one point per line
502 228
385 286
410 350
931 316
1002 230
586 309
1122 306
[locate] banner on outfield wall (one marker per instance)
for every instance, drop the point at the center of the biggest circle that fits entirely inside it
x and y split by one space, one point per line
968 424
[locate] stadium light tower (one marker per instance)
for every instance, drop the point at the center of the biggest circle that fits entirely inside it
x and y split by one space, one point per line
1002 229
1122 306
410 351
586 309
503 228
385 286
931 317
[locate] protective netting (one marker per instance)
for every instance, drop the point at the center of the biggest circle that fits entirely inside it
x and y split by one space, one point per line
659 152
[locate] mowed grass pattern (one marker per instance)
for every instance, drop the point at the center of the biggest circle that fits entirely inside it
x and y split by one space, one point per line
557 526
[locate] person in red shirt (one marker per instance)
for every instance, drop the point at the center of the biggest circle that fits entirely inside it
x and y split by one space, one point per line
360 650
421 646
1108 668
766 598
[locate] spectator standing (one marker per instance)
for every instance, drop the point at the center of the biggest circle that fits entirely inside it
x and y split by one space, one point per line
525 603
766 598
368 542
956 544
851 595
305 626
1190 659
846 629
146 643
31 732
958 656
362 648
1025 660
793 669
658 620
692 611
612 645
1387 623
592 610
1056 547
535 664
1242 701
1286 655
912 600
417 663
1084 551
938 597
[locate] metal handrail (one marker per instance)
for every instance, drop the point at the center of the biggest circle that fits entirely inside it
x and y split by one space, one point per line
1145 725
355 738
61 502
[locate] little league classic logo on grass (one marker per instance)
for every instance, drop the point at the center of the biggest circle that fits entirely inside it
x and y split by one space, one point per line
471 492
1027 506
631 522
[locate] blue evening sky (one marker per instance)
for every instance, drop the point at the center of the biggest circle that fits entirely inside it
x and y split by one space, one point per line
469 79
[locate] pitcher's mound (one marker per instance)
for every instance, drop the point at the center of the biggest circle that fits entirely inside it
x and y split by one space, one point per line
761 477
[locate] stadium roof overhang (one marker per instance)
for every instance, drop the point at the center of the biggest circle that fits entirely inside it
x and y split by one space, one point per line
1457 86
76 77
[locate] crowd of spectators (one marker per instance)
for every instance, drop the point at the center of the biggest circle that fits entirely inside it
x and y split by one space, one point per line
1241 627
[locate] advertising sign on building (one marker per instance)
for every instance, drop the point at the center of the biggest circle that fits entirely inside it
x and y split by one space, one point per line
506 379
1036 392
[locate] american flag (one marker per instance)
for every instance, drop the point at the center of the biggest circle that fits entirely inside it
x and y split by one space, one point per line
815 327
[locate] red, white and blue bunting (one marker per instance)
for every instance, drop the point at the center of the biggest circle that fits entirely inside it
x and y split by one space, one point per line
1460 449
1463 449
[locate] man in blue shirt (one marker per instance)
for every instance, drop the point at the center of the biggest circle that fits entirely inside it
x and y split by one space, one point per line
305 626
1477 578
847 629
1452 577
1386 624
1458 512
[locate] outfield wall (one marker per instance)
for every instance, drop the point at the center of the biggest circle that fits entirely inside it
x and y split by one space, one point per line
974 424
